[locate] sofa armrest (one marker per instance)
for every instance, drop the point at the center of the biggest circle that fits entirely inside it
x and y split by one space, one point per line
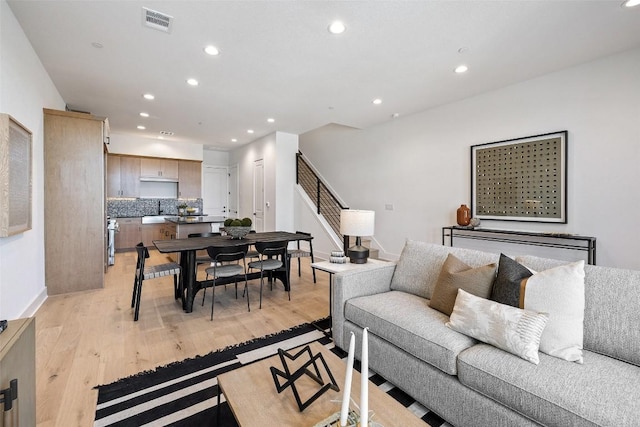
352 284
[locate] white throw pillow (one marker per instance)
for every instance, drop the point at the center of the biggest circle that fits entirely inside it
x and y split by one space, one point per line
509 328
559 291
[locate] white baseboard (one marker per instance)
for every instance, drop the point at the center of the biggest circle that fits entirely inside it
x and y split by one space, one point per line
31 310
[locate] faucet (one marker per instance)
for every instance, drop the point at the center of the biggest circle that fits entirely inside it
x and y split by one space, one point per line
159 210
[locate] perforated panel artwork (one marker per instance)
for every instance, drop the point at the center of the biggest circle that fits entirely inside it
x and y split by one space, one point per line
522 179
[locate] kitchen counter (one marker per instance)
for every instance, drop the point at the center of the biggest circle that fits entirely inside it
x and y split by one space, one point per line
195 219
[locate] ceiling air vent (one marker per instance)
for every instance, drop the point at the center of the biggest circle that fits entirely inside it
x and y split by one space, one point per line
156 20
166 133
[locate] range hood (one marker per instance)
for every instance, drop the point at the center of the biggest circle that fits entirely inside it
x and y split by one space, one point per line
157 179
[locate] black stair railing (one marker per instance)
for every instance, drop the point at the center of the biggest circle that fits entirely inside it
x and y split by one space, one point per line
326 203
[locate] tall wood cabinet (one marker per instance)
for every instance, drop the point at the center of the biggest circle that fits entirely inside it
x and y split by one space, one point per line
18 364
74 201
123 176
190 179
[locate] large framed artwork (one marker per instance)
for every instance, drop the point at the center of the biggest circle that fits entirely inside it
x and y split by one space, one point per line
15 176
523 179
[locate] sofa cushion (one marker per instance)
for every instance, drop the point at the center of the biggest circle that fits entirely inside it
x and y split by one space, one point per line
611 315
508 328
558 291
506 286
406 321
455 275
420 264
601 392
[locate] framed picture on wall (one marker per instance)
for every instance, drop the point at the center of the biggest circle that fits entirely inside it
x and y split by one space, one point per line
523 179
15 176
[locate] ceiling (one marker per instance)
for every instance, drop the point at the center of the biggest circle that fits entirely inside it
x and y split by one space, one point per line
278 60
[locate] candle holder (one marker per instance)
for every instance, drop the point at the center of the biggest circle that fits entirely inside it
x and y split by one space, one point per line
291 377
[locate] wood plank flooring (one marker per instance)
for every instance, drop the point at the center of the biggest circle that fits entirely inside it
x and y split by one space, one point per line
89 338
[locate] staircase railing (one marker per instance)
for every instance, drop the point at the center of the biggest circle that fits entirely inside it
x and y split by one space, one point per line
326 203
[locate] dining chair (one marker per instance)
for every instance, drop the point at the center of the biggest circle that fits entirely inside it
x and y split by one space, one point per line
151 272
273 255
223 266
204 259
303 252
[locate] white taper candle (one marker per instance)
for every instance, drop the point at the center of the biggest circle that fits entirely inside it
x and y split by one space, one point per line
346 396
364 381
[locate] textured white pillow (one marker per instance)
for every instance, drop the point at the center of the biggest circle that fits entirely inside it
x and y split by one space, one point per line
508 328
559 291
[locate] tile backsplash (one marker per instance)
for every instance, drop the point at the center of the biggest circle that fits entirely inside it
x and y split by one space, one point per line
123 208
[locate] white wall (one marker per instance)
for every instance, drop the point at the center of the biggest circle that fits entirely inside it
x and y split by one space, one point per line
215 158
421 163
286 149
139 146
25 89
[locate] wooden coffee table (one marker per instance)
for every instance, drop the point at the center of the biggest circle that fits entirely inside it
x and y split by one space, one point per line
254 401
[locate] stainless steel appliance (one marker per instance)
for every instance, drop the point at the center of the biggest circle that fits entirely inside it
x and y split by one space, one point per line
112 227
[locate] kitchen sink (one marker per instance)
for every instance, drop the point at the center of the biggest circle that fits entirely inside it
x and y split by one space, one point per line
154 219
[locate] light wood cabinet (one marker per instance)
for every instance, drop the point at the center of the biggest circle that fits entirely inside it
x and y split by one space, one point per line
156 168
129 234
18 362
123 176
74 201
189 179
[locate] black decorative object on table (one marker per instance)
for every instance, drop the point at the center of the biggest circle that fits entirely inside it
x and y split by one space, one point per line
291 377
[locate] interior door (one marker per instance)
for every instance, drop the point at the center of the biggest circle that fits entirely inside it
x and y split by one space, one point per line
233 192
215 192
258 195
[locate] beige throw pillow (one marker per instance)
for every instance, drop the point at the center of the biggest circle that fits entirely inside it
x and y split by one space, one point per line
455 275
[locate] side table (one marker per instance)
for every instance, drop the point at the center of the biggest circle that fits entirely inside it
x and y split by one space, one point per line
334 268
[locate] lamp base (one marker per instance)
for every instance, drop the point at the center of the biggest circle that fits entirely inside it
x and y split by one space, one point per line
358 254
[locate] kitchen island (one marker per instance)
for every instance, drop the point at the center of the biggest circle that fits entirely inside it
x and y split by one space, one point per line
180 227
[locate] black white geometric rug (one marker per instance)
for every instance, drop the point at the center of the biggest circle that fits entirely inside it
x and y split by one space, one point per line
185 393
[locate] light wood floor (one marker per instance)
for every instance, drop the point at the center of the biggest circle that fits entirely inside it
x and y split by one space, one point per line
89 338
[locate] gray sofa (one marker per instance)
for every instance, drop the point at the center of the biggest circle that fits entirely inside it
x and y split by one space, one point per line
469 383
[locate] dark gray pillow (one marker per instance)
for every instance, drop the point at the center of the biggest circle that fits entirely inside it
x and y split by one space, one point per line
506 286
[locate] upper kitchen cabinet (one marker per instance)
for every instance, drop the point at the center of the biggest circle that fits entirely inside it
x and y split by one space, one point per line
190 179
155 169
74 201
123 176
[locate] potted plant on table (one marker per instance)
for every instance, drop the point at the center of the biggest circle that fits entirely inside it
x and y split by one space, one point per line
237 228
181 208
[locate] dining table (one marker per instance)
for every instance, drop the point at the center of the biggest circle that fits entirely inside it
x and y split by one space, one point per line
187 248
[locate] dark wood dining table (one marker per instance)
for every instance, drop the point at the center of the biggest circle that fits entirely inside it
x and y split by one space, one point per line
189 285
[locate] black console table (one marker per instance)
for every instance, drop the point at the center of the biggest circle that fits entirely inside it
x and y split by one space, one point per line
552 240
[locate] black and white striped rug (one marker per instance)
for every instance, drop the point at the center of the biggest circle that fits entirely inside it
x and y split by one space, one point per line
185 393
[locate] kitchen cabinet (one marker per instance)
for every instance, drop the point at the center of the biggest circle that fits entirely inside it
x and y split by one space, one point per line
123 176
151 232
189 179
18 362
129 234
74 201
158 169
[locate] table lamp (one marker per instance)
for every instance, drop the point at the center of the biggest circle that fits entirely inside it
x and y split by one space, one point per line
357 223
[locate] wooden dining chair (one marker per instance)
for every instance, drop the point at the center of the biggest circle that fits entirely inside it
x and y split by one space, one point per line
301 252
273 256
151 272
224 266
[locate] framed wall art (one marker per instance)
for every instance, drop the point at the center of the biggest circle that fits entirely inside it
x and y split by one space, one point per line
523 179
15 176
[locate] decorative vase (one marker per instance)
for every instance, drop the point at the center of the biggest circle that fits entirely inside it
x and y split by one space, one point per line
463 215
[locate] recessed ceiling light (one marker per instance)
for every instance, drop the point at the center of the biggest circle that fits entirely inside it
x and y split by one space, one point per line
271 120
144 114
377 101
249 130
461 69
192 82
337 27
141 127
160 137
97 45
212 50
234 140
631 3
149 96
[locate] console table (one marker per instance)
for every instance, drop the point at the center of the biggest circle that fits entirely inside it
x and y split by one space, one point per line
551 240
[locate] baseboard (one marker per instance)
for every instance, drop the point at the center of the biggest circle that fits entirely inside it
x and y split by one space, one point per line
31 310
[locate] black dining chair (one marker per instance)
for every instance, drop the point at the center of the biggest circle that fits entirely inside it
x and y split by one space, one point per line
301 252
273 256
203 259
151 272
223 266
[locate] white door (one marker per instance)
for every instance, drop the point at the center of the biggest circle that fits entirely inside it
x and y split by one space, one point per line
258 195
214 191
233 192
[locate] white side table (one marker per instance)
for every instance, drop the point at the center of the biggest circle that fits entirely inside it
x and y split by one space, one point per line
334 268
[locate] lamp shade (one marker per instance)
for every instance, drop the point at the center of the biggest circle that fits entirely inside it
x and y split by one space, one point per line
355 222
